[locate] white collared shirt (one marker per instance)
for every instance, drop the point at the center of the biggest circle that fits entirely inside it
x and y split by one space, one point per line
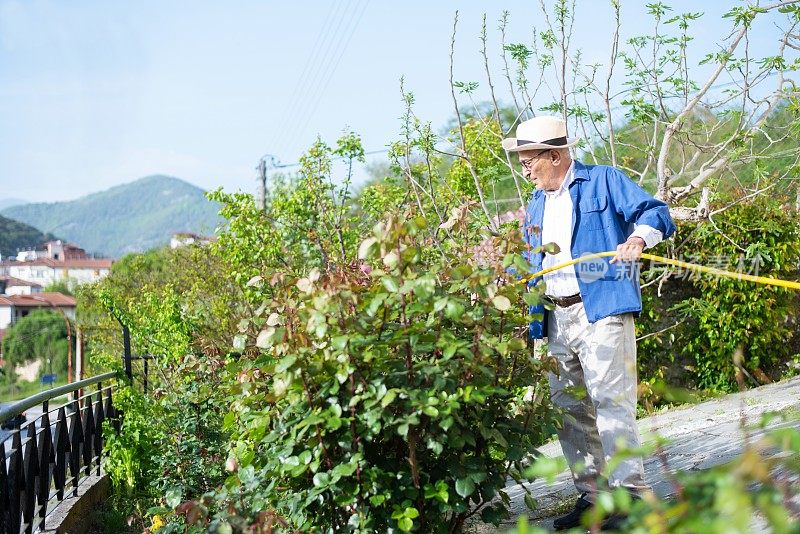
557 228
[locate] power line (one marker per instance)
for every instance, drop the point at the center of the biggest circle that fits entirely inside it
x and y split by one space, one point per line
322 38
340 158
328 47
320 89
331 52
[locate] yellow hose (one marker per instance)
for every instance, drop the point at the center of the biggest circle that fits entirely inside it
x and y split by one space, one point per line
677 263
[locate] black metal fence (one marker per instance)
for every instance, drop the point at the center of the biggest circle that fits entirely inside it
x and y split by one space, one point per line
46 457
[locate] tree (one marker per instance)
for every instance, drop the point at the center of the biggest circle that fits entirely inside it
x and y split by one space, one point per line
59 286
40 335
647 110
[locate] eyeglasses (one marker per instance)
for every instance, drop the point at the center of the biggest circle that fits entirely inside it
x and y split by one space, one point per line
528 163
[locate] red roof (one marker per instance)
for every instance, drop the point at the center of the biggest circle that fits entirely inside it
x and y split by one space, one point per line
38 300
104 263
11 281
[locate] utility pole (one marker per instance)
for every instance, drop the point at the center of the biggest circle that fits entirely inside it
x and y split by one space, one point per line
262 168
262 177
78 355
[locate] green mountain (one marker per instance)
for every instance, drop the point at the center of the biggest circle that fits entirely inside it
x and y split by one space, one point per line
15 236
127 218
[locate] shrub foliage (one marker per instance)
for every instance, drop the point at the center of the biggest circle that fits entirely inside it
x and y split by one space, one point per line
388 394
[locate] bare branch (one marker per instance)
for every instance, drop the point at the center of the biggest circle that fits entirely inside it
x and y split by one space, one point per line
461 129
663 191
606 100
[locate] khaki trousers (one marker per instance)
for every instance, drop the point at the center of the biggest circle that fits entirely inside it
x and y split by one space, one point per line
596 388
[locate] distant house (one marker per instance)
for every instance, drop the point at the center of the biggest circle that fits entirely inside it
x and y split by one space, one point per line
55 250
182 239
56 262
45 271
15 286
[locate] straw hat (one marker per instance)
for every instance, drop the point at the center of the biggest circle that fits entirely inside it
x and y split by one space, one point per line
540 133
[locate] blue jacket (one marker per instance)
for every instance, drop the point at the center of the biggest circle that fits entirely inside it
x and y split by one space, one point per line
606 205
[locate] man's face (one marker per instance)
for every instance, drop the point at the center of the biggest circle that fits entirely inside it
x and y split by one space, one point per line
542 167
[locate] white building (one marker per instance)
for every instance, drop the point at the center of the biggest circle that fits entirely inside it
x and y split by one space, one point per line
45 271
183 239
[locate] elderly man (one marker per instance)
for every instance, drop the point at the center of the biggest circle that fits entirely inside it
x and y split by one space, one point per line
585 209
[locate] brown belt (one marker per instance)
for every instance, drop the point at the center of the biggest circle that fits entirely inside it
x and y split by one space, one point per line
565 302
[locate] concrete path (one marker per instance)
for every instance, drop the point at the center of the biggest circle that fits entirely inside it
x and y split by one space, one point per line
700 436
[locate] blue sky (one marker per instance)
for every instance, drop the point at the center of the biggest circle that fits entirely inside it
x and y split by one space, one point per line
97 93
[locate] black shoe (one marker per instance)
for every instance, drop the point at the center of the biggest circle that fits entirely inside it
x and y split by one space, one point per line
573 519
613 522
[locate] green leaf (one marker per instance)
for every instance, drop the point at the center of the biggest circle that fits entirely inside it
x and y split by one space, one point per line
264 339
173 497
405 524
430 411
285 363
454 310
388 398
530 502
435 446
465 486
321 479
345 470
446 423
501 303
305 285
605 501
256 281
546 467
390 283
229 419
239 342
551 248
367 248
521 264
390 259
339 342
532 298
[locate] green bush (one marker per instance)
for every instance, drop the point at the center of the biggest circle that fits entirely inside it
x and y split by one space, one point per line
171 440
730 317
716 328
131 451
387 395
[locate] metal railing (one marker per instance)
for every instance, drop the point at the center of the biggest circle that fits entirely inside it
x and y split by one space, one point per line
44 460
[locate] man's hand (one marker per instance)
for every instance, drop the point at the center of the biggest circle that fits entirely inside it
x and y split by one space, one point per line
630 250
